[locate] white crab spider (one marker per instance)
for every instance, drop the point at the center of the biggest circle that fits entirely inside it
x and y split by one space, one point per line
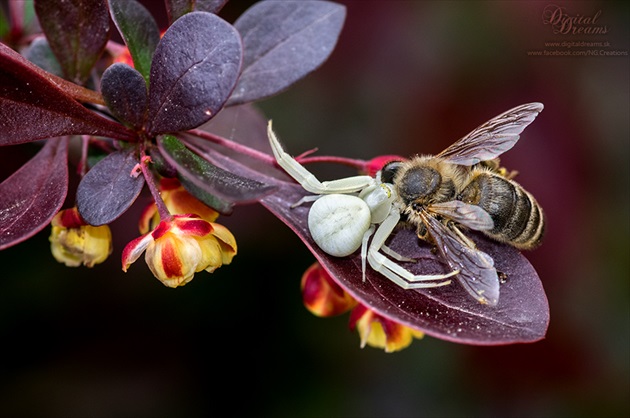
345 214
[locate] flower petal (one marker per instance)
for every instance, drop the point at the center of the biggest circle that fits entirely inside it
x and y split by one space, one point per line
379 332
134 249
321 295
226 241
173 259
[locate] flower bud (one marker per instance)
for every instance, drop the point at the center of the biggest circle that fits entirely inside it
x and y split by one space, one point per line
377 331
74 242
321 295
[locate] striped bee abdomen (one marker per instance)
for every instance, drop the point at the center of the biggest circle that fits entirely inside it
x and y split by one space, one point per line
518 219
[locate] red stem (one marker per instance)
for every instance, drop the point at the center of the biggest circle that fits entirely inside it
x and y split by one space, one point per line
266 158
163 211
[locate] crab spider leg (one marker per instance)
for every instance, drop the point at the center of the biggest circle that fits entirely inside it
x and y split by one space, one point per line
307 180
364 248
386 250
388 268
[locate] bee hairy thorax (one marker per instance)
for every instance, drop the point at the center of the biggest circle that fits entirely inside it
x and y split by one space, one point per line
518 219
423 181
426 180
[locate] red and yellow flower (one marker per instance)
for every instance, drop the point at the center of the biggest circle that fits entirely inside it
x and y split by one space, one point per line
323 297
180 247
186 244
380 332
74 242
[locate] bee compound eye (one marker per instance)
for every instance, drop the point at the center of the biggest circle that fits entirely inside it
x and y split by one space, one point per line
389 171
337 223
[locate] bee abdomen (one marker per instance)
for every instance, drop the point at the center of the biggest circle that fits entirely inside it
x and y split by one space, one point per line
518 219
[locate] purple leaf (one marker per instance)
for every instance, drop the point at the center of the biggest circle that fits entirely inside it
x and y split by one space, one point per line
32 107
283 42
31 196
125 93
139 30
192 76
77 31
109 188
216 187
178 8
448 312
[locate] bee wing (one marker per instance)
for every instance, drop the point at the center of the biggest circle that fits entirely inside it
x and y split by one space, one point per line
476 269
471 216
492 138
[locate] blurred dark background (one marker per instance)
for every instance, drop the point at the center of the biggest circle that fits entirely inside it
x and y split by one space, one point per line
406 77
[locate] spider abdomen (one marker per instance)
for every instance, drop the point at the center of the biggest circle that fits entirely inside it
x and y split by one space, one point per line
337 223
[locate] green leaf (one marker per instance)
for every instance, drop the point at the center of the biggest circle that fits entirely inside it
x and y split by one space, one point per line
215 187
139 31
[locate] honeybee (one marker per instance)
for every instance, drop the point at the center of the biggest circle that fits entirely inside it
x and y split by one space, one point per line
463 187
468 171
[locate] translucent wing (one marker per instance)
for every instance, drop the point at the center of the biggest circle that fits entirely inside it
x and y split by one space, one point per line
477 273
492 138
471 216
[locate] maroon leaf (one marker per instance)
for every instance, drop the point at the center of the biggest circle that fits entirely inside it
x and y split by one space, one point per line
33 107
109 188
283 41
125 93
31 196
77 31
192 76
448 312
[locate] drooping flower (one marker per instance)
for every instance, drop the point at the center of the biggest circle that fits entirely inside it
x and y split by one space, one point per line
380 332
74 242
323 297
180 247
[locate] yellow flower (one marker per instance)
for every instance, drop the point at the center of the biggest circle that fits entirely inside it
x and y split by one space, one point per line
180 247
73 242
321 295
377 331
178 201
